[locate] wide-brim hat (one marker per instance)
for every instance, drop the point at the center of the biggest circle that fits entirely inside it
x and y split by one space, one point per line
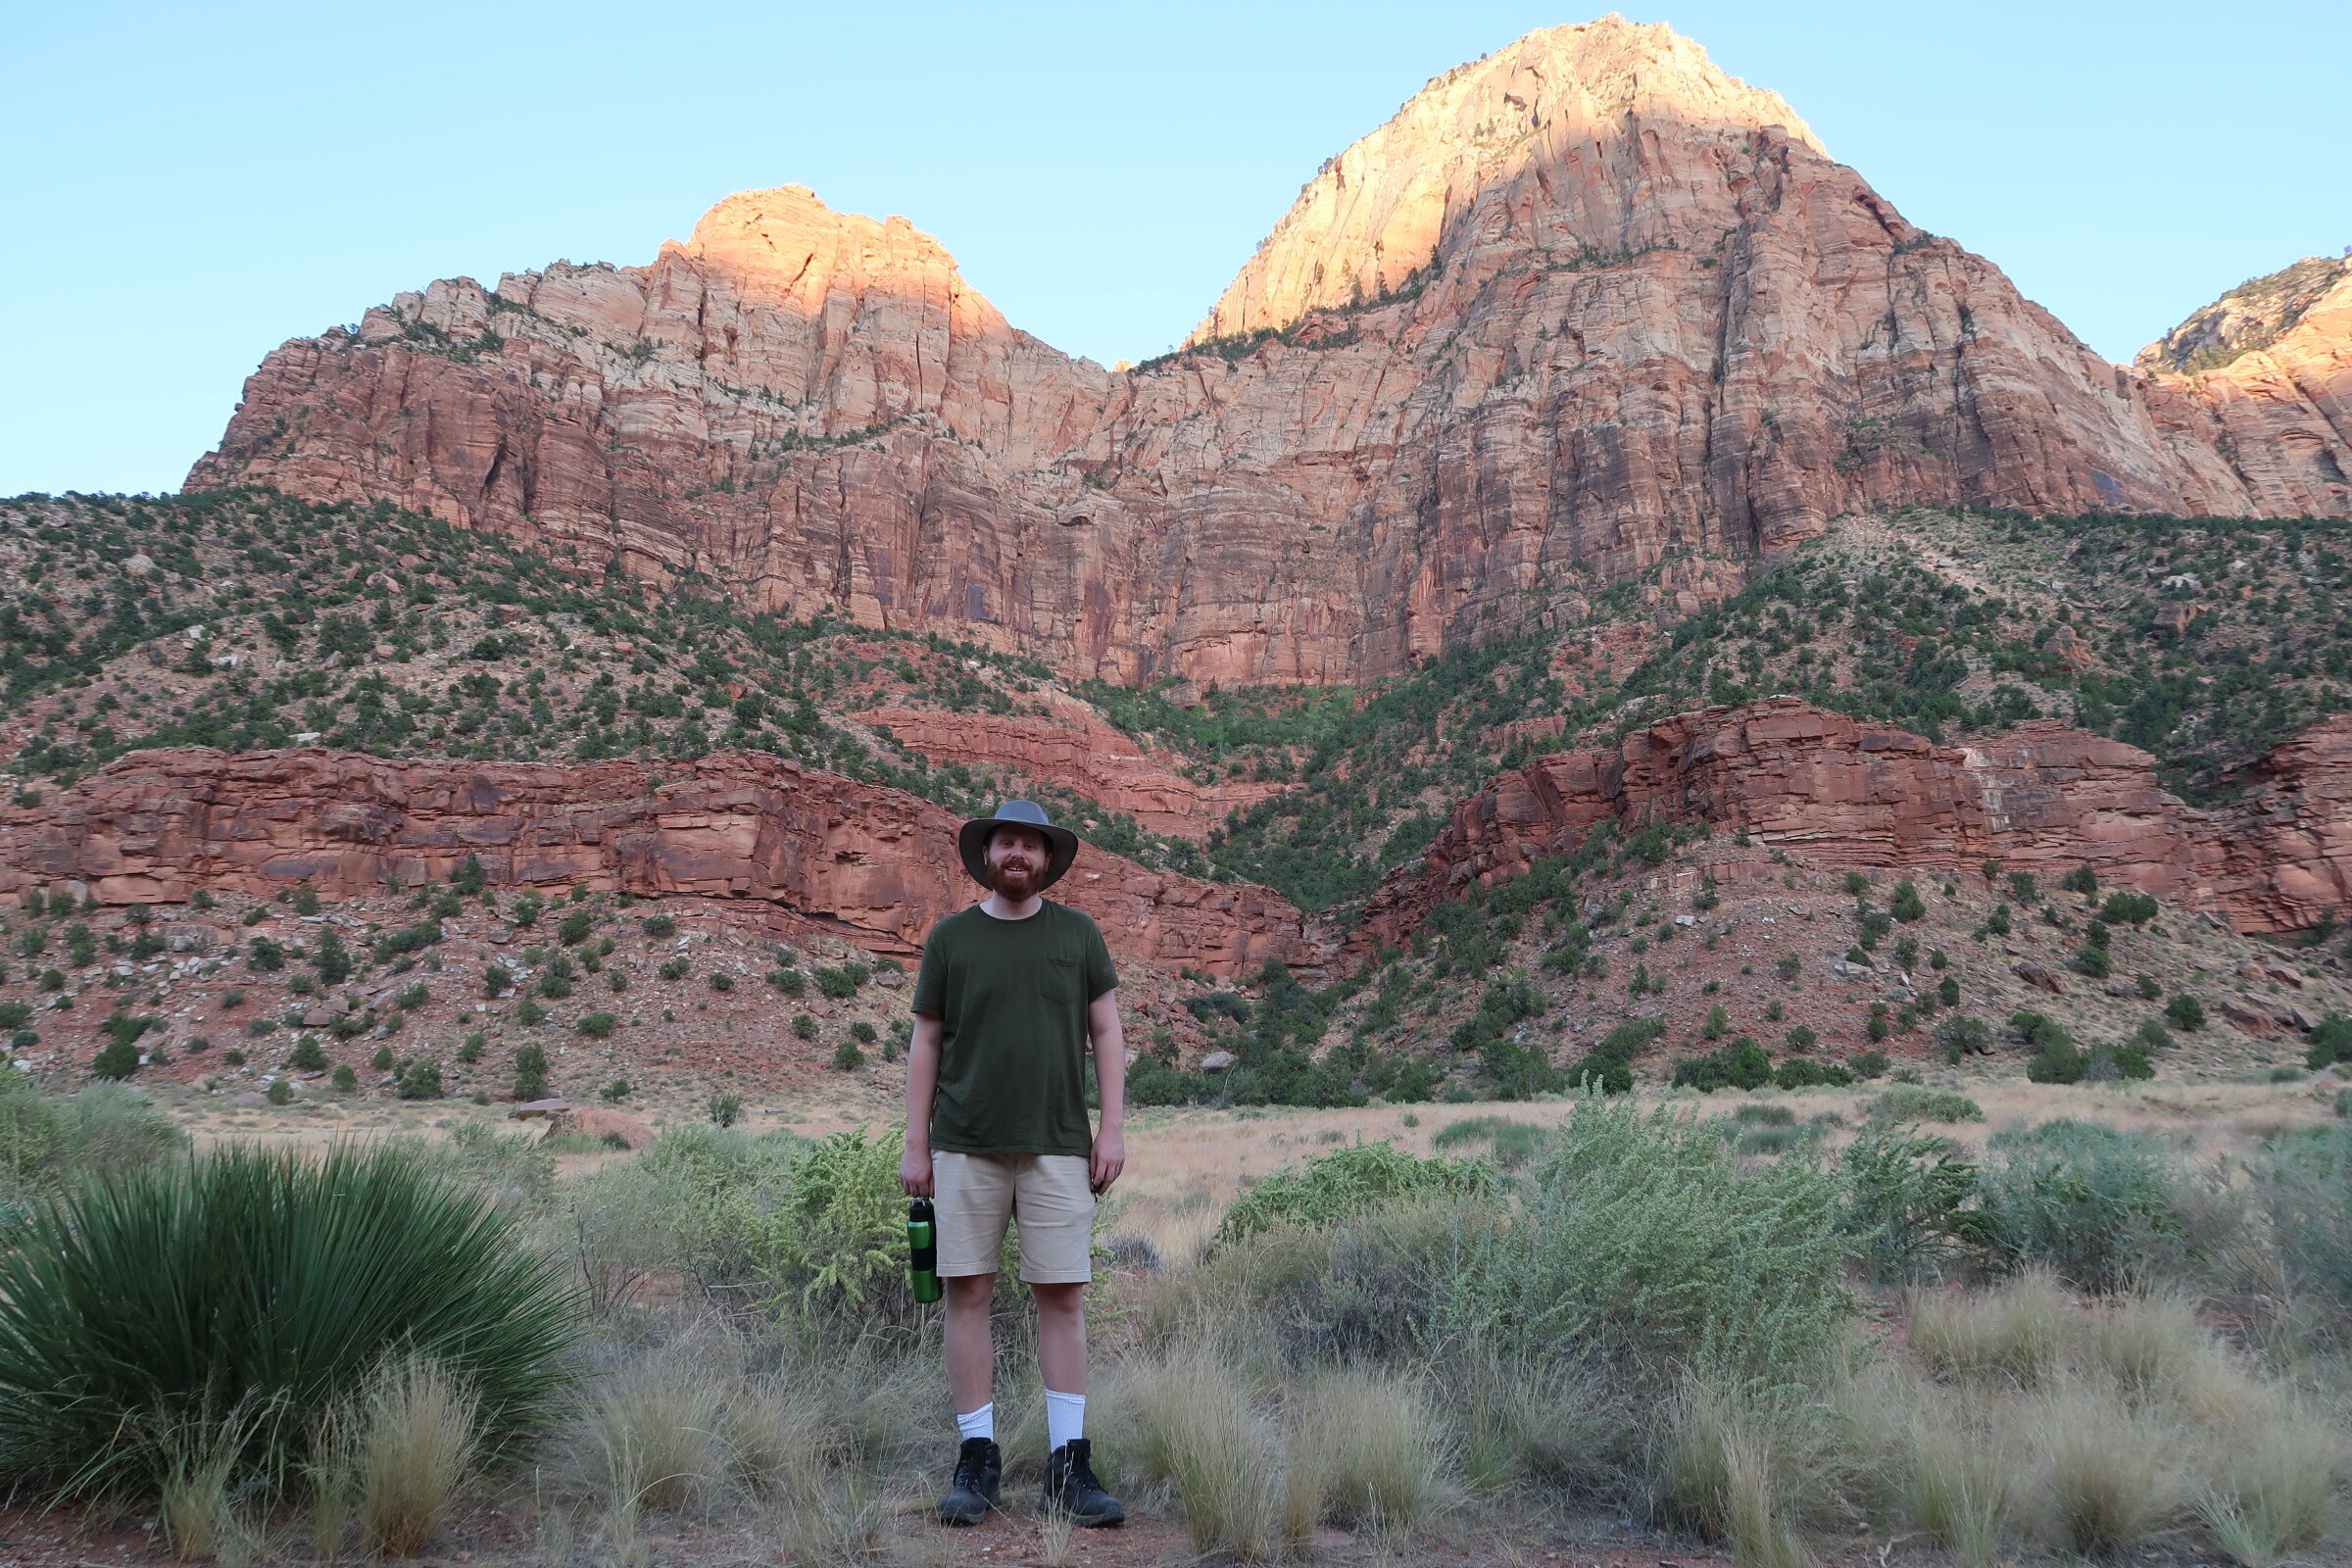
973 841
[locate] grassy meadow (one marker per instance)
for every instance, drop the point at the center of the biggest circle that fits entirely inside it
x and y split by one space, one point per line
2022 1323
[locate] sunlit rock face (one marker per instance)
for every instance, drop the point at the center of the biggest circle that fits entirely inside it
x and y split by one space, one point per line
1579 308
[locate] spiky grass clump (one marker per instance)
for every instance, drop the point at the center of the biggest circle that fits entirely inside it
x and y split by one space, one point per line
267 1282
418 1435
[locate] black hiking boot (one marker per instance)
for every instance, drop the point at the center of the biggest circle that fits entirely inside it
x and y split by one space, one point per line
1071 1487
978 1469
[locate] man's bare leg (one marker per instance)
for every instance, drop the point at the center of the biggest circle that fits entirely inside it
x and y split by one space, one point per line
972 1353
1061 1336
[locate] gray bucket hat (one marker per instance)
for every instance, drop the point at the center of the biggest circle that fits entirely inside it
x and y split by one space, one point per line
973 841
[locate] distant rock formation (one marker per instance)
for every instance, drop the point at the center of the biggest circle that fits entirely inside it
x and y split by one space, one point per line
1073 748
1846 792
2265 372
819 851
1581 307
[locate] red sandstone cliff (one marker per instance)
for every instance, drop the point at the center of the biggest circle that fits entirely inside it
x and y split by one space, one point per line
871 864
1846 792
1580 305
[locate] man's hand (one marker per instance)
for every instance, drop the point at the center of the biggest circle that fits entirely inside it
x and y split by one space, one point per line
914 1173
1110 1159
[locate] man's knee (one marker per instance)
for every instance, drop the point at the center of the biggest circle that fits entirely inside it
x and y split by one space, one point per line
1059 1300
969 1290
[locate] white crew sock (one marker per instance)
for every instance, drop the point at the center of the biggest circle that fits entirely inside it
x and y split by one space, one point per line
981 1423
1065 1418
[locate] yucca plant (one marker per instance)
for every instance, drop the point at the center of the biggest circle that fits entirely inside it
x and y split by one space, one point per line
266 1282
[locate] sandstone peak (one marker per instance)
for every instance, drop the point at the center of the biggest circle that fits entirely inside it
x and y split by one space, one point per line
2250 317
2264 373
787 243
1376 214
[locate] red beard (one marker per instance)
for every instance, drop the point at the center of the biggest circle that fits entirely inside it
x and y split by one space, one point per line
1016 882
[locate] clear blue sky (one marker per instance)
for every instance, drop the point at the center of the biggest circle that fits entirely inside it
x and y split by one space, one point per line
189 185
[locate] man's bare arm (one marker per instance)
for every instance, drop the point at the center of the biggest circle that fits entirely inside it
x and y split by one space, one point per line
1110 1077
922 1077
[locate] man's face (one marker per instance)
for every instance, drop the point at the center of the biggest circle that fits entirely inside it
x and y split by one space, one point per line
1017 858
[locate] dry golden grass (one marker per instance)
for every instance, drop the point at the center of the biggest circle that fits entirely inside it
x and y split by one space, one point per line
2268 1483
1368 1439
2111 1474
650 1433
1722 1471
2018 1333
418 1439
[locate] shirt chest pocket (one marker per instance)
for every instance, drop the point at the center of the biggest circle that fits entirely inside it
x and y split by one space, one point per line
1059 979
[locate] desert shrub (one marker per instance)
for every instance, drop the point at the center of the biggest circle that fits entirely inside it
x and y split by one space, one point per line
1348 1182
596 1025
2303 1183
180 1291
2185 1012
1912 1103
1962 1036
1642 1239
1740 1064
1608 1065
2099 1206
1906 904
419 1080
1869 1065
1909 1203
2330 1041
836 1244
1803 1072
660 926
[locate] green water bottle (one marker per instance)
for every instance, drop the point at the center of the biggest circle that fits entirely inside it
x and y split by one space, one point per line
922 1251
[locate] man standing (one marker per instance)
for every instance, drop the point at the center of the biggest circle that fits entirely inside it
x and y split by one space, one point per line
1011 994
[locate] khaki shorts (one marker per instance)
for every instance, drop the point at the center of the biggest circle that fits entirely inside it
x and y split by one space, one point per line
1050 1196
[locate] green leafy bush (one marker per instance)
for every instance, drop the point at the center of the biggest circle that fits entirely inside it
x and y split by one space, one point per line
596 1025
1909 1203
261 1282
2185 1012
660 926
1906 904
1348 1182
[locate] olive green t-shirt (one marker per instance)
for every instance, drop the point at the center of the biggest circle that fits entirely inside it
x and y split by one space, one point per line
1011 998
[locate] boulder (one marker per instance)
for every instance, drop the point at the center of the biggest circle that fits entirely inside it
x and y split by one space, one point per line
599 1122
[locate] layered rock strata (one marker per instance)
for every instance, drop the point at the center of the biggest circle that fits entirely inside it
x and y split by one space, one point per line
1848 794
1583 307
816 850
